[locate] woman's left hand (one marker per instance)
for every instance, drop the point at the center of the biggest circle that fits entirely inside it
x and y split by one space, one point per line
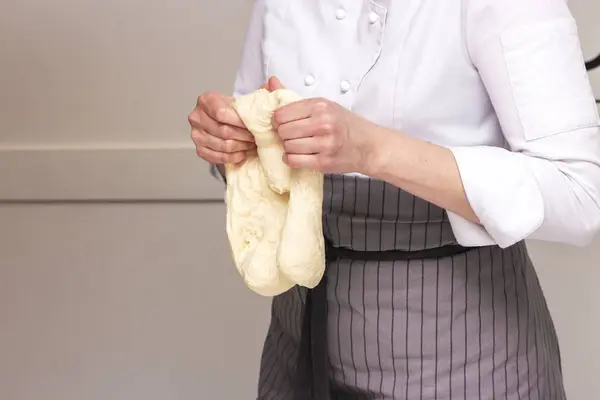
322 135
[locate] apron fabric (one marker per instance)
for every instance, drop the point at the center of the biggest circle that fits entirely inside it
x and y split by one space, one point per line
473 325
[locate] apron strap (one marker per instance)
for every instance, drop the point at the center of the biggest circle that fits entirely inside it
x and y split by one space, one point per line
312 372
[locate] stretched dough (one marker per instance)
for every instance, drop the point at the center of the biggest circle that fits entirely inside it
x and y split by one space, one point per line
274 220
256 111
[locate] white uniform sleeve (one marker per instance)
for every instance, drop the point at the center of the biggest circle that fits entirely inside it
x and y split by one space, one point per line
546 184
250 74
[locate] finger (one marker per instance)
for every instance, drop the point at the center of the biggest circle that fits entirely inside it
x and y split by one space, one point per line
215 157
293 112
265 86
223 131
296 129
275 84
310 145
220 108
225 145
309 161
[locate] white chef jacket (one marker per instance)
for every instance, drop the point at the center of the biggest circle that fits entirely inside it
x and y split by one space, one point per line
502 84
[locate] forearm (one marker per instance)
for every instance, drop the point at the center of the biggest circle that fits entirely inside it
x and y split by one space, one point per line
422 168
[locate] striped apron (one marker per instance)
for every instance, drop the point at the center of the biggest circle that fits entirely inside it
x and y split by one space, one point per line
405 313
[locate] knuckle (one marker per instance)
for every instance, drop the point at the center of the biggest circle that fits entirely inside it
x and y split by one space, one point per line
237 157
326 127
209 103
229 146
195 117
217 145
196 136
321 105
192 118
200 152
326 117
222 158
221 113
225 132
203 99
208 95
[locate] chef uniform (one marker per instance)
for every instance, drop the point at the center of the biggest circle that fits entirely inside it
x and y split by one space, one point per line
418 302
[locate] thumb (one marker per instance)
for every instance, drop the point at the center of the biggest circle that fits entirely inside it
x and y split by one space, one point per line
275 83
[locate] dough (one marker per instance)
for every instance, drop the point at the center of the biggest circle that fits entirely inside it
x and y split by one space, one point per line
274 212
255 219
256 111
301 254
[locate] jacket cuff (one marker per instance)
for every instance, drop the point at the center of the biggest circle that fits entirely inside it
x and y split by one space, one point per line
503 193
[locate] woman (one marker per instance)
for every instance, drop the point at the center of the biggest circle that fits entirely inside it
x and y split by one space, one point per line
467 125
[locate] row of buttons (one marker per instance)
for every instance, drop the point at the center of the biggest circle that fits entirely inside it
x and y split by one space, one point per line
341 14
344 85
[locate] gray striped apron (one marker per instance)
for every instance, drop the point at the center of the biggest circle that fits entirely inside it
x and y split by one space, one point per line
468 324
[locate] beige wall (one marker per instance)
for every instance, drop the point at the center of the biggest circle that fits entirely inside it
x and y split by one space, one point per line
115 279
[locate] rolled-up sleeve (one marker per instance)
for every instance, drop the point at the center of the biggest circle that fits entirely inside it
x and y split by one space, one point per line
250 74
545 184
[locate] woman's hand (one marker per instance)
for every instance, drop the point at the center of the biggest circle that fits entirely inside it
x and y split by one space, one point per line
322 135
217 131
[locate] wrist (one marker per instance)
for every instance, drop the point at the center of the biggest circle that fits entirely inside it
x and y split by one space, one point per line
383 152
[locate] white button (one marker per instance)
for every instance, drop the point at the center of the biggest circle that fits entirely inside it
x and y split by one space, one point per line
340 13
373 17
344 86
309 80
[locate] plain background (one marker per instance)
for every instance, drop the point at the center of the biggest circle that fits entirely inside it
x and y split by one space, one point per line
115 276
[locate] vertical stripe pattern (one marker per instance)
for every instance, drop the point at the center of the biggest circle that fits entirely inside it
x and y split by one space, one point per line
471 326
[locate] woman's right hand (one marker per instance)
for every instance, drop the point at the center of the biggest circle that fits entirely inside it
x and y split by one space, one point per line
218 133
